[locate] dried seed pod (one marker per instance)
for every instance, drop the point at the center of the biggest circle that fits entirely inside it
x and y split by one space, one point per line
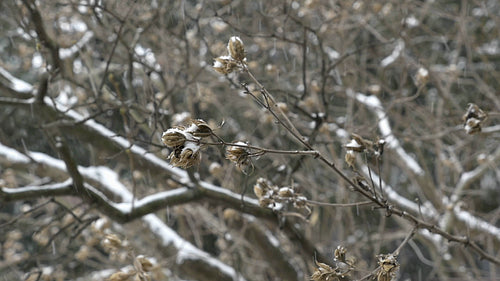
300 202
111 242
203 130
473 111
421 77
355 145
473 119
340 253
350 158
142 264
225 64
285 192
324 272
238 155
265 201
119 276
185 157
173 137
236 48
388 267
379 146
258 190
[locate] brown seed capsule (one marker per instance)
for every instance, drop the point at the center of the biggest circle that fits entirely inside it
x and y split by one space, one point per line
350 158
285 192
203 130
119 276
258 190
142 264
473 119
225 64
111 243
388 267
340 253
236 48
184 157
421 77
238 155
265 201
173 138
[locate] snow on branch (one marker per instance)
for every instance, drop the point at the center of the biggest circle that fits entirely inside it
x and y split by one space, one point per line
65 53
109 181
467 178
426 209
13 83
374 104
396 53
12 155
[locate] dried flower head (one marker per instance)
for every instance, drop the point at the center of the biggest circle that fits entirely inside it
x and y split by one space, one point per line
201 128
235 60
379 146
173 138
340 253
236 48
422 76
473 119
120 276
142 264
324 272
185 141
185 156
238 154
285 192
225 65
350 158
276 198
388 267
358 144
111 242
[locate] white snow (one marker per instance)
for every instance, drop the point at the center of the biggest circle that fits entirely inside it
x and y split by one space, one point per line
412 21
55 186
353 144
109 180
237 196
160 196
13 155
37 60
272 239
476 223
398 49
65 53
187 251
401 201
16 84
120 141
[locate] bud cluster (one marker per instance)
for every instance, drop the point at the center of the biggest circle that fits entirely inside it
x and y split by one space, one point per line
185 142
236 59
274 197
473 119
